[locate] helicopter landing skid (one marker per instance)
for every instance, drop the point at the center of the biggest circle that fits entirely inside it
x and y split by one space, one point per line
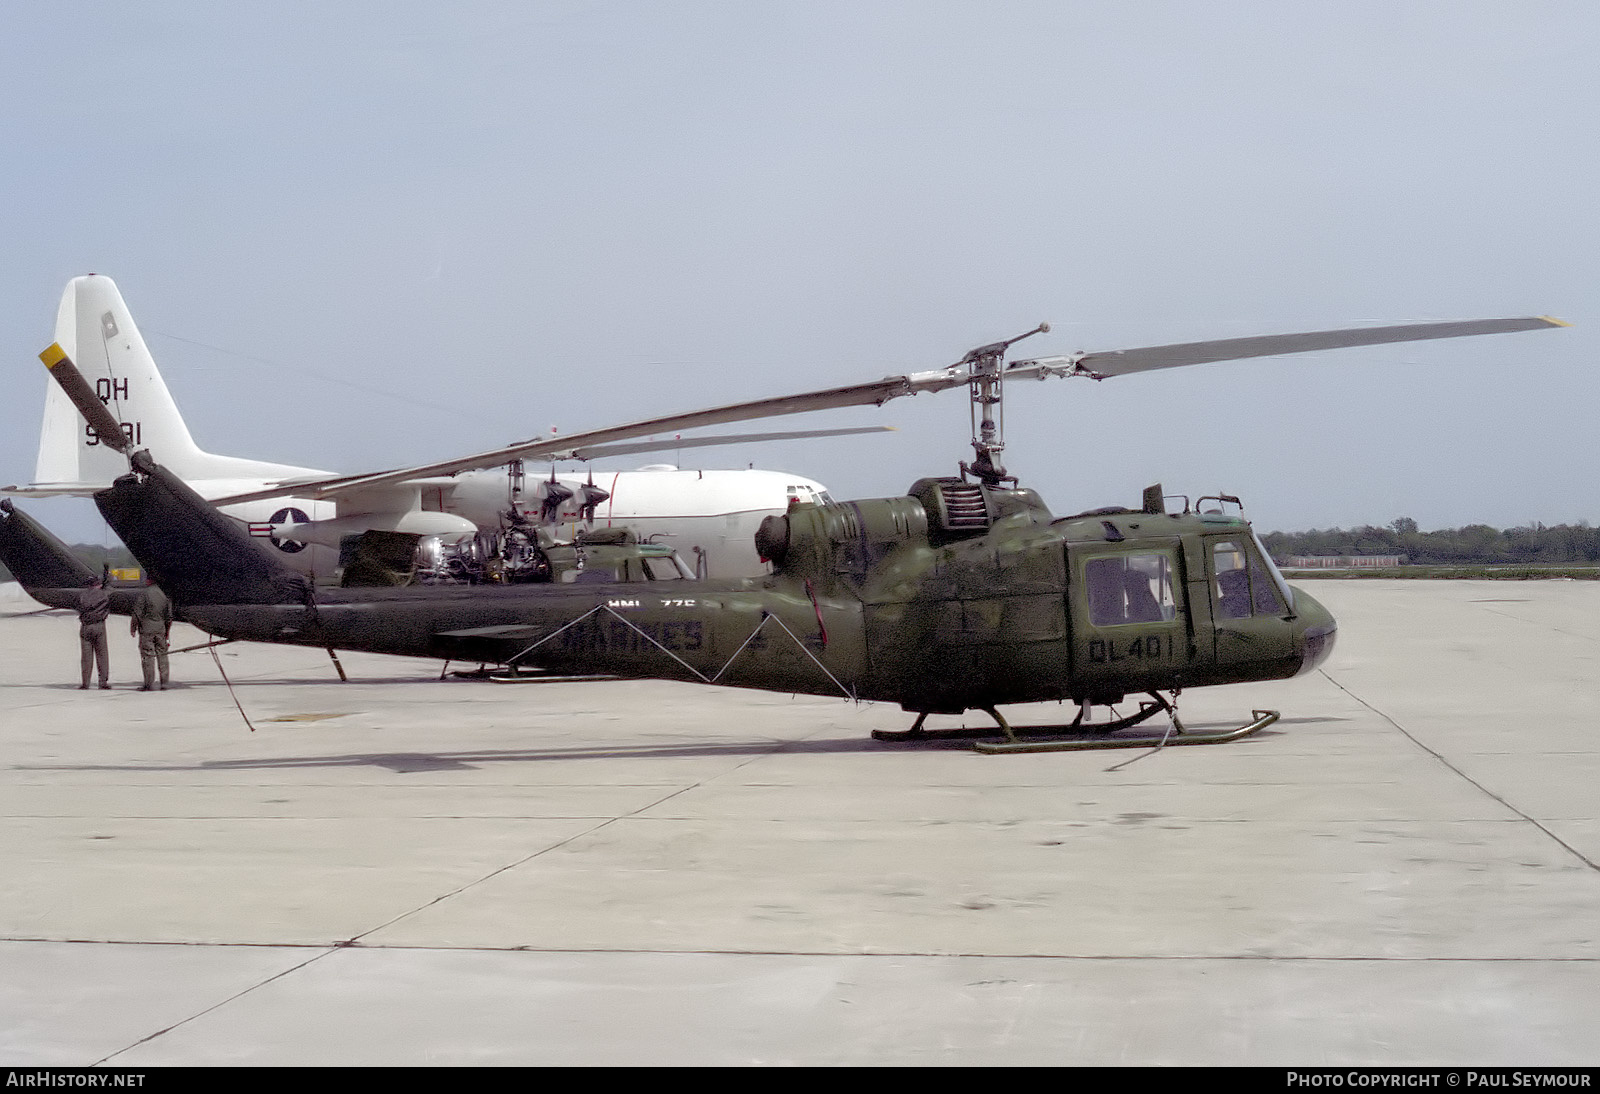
514 675
1079 736
1088 739
1076 727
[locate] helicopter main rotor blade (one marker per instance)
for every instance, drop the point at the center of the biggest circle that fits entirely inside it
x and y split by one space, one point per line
878 392
601 451
1148 358
540 448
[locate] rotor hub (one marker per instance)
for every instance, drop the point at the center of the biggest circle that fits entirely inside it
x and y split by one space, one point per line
987 397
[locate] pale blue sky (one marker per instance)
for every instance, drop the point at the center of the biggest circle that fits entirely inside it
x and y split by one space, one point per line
361 235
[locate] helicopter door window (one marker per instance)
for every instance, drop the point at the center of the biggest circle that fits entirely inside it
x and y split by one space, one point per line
1244 586
1129 589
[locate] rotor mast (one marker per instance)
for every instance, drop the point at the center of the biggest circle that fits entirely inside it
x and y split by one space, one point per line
987 390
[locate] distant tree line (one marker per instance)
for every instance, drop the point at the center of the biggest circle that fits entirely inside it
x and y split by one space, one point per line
1476 543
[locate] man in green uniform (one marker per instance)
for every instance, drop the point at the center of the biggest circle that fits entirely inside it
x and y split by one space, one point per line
152 622
93 606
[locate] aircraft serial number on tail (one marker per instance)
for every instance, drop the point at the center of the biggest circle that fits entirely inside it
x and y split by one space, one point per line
108 391
134 431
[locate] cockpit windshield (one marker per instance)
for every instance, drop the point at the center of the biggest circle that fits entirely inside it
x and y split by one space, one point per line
805 495
1272 569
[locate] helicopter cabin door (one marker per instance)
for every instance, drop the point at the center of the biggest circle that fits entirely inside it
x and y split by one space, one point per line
1130 622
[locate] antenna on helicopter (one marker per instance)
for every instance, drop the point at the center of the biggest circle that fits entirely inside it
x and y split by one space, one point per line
988 409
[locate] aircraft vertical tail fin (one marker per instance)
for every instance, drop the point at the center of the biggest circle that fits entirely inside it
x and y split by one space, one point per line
95 328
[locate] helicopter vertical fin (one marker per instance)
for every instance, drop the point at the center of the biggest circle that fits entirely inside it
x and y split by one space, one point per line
35 557
197 555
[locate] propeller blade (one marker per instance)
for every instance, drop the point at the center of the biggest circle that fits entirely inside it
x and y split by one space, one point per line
1148 358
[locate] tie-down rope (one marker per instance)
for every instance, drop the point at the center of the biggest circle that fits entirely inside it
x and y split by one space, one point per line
848 694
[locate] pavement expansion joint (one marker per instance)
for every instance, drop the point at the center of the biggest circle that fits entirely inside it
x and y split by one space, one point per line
1412 737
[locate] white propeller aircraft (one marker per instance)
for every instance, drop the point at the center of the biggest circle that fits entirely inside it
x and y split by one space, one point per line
711 516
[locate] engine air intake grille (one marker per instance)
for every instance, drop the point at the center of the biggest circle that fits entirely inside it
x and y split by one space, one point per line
964 506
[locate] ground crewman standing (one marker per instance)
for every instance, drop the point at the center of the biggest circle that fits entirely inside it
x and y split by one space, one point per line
152 622
94 604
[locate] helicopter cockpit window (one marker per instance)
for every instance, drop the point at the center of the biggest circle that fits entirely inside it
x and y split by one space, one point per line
1129 589
1244 587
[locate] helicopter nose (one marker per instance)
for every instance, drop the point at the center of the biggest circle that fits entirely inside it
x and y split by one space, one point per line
1316 632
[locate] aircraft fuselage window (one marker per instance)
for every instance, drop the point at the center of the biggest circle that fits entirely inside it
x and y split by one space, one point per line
1243 585
1129 589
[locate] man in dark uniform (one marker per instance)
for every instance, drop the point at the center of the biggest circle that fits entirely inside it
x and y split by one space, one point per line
152 622
93 607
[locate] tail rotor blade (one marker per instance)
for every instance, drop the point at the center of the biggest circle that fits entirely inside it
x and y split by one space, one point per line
66 374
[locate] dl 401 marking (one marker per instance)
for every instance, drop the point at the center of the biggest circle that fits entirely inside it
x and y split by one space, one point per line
1152 647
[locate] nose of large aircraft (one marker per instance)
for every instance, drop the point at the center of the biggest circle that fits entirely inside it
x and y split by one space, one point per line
1315 631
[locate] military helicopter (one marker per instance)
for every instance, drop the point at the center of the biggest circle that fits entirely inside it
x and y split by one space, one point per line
964 594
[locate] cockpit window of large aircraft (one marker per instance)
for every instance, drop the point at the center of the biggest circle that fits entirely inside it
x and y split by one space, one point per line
804 495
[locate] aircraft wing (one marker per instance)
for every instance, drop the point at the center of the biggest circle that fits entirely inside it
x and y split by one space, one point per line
567 450
56 489
541 448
